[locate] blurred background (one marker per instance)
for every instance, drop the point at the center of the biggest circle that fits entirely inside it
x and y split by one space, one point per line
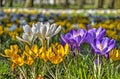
70 14
62 4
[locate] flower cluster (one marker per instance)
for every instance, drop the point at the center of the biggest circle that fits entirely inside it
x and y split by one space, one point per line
94 37
44 31
55 54
38 53
40 30
10 23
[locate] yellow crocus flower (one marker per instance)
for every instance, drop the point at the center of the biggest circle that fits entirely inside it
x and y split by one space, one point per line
13 34
33 52
17 59
56 53
11 52
1 30
42 54
28 59
114 55
118 27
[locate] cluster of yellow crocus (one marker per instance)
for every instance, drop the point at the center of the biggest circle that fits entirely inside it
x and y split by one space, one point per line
115 54
55 54
18 58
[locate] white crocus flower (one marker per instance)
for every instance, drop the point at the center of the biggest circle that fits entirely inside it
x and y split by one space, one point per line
46 31
28 35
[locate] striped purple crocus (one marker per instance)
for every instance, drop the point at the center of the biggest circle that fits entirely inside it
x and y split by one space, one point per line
103 46
74 39
94 34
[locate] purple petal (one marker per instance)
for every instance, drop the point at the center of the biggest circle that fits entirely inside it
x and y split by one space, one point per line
101 34
104 51
98 45
63 38
98 31
73 32
81 32
68 35
105 43
107 56
110 47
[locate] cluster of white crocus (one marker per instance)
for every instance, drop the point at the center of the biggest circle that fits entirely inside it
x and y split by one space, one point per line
28 35
41 30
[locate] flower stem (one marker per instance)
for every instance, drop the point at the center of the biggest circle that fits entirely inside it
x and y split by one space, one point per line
48 41
95 69
99 67
43 69
33 72
22 70
56 77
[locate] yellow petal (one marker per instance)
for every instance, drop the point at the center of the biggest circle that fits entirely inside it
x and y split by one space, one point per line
66 48
35 49
29 52
13 66
29 60
27 48
117 53
8 52
56 60
14 48
42 54
18 60
60 50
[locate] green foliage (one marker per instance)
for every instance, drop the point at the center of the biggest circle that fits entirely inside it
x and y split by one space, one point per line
5 70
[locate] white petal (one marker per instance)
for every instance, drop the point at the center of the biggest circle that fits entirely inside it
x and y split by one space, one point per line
51 30
26 28
43 30
57 30
34 29
47 25
21 39
27 37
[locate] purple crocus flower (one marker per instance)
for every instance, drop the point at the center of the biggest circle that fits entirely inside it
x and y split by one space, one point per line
94 34
103 46
74 39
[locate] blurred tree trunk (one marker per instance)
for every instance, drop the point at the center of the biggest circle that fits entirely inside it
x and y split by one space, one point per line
29 3
11 3
32 3
111 4
41 3
1 5
54 2
81 3
100 3
67 3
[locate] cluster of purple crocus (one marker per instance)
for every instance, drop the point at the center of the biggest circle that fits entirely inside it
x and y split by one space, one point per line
94 37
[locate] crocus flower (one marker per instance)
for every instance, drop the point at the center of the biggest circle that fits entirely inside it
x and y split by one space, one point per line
114 55
42 54
12 53
46 30
94 34
74 39
56 53
33 51
28 35
103 46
